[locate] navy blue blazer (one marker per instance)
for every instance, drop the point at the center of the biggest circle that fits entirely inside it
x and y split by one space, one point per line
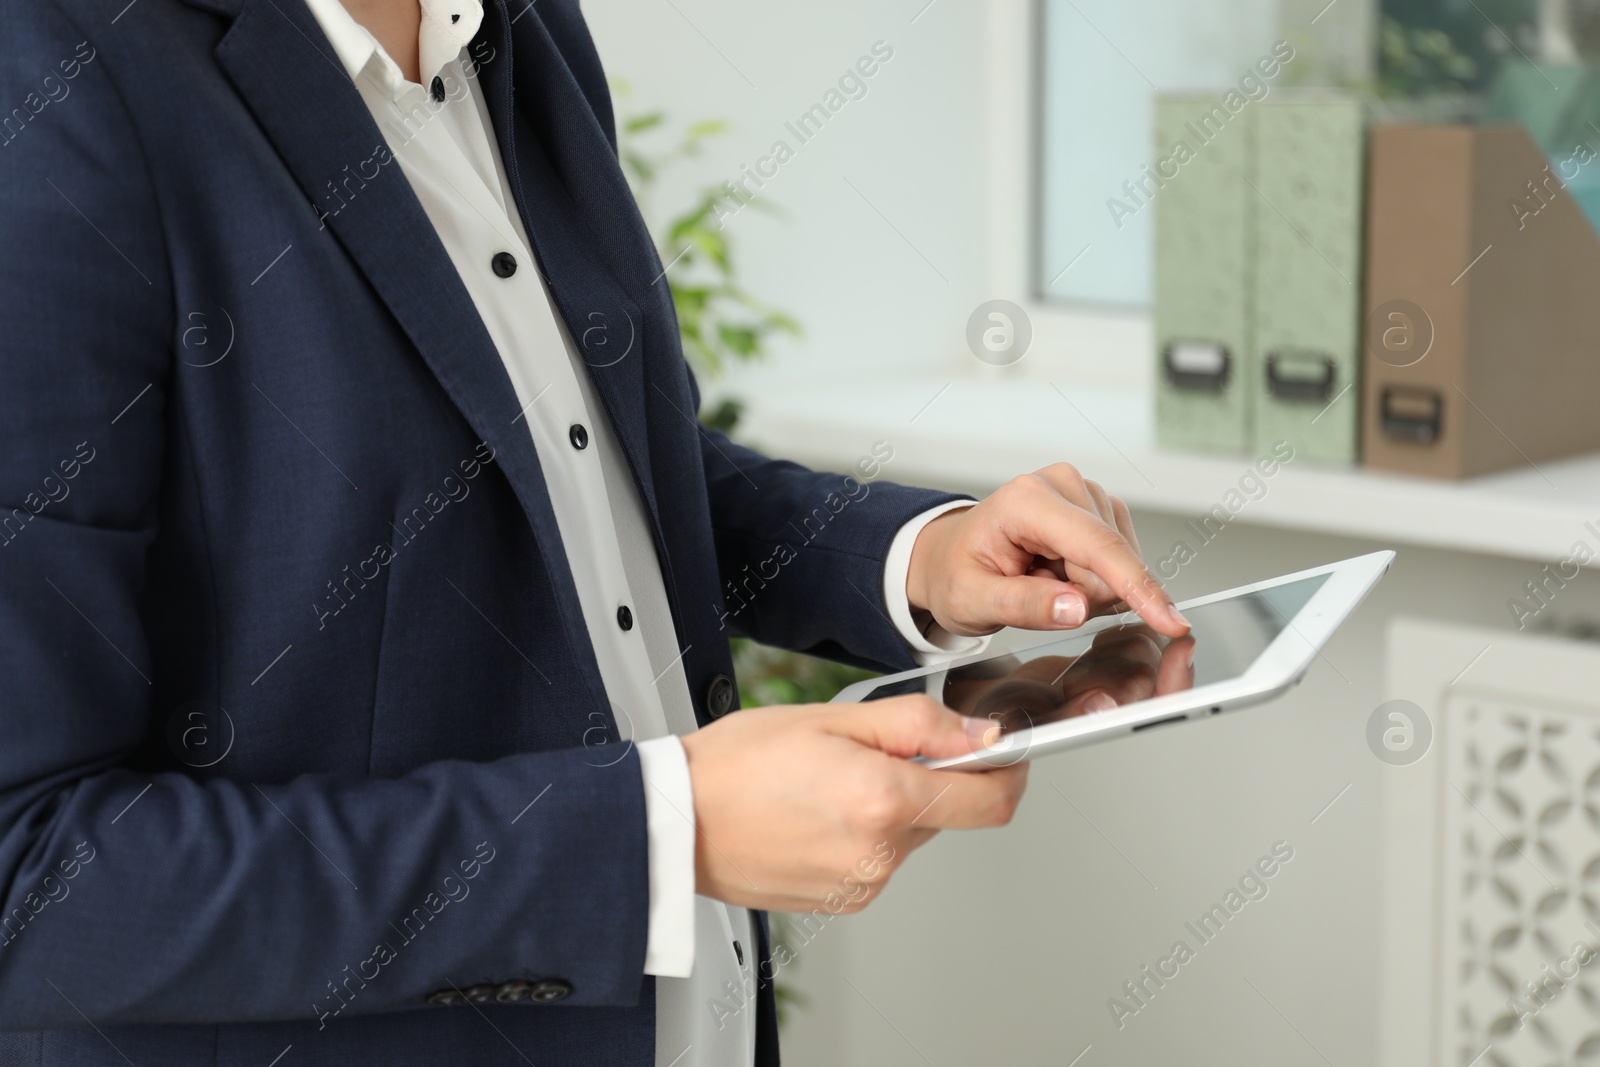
302 740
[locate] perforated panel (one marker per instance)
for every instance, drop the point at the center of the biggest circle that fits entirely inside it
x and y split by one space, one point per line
1519 885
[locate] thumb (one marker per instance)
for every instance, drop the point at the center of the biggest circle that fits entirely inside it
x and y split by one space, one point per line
1035 601
912 725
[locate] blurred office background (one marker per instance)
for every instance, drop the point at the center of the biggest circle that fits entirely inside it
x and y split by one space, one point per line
1431 895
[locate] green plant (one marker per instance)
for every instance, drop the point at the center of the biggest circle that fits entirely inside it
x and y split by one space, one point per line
720 321
1415 60
771 676
1451 47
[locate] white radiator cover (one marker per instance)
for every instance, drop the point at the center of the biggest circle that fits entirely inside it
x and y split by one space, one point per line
1491 912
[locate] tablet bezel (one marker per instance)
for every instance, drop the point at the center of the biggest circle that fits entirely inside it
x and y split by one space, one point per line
1284 661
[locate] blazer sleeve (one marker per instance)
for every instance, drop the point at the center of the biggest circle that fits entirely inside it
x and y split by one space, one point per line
130 897
801 552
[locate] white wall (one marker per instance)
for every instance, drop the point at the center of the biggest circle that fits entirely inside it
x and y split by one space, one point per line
914 146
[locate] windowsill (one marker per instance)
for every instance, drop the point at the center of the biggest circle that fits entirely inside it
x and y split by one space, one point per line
983 430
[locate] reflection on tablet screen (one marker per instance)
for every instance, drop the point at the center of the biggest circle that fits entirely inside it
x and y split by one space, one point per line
1118 665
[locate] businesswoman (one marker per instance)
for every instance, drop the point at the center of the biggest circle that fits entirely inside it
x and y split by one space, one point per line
366 578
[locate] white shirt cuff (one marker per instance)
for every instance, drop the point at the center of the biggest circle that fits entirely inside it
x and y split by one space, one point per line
669 822
930 642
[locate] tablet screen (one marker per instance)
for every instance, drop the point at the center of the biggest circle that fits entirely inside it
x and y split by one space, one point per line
1123 663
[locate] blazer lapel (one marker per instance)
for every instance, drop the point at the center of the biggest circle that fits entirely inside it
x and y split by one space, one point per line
276 56
279 60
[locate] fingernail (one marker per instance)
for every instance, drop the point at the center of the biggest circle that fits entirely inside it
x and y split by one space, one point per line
1099 702
1172 609
1069 610
982 733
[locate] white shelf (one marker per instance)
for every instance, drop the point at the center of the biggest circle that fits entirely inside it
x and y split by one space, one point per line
983 430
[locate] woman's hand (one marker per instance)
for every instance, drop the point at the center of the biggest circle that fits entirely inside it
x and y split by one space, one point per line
793 804
1045 552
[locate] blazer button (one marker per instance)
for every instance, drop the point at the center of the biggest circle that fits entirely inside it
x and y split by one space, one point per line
504 264
446 998
437 88
511 992
482 994
549 990
625 617
578 436
719 696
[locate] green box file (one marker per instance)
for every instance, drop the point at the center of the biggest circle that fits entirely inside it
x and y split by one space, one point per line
1204 246
1308 178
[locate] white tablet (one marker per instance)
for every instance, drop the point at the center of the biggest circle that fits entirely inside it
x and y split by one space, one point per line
1247 645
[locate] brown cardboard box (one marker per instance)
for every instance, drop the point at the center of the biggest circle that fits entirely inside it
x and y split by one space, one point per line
1482 321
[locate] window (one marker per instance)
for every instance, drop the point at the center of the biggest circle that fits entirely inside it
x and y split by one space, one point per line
1103 62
